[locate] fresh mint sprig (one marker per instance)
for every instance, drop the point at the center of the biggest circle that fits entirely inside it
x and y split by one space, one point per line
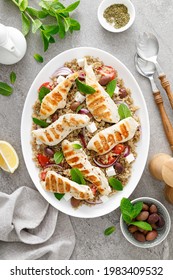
53 10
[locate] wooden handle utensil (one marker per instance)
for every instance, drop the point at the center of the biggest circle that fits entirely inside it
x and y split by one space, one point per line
166 85
165 120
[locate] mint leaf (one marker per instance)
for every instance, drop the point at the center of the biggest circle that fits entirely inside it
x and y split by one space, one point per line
74 24
38 57
77 176
5 89
36 24
137 208
115 184
23 5
143 225
77 146
124 111
59 196
109 230
126 209
79 108
25 24
110 88
58 157
12 77
127 218
40 122
45 40
84 88
72 7
51 29
42 93
61 27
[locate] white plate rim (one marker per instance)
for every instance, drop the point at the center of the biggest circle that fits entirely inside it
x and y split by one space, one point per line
113 202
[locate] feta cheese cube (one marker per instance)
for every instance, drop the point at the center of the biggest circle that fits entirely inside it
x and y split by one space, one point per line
49 120
116 91
110 171
60 79
79 97
91 127
80 62
104 198
67 196
130 158
38 142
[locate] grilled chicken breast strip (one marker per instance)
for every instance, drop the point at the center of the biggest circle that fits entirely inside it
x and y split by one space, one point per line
100 104
58 130
59 184
77 158
106 139
56 99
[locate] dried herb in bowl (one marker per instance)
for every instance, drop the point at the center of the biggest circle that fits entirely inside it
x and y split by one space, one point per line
117 15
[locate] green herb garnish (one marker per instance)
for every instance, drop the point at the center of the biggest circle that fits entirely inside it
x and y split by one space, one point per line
84 88
77 176
124 111
33 18
12 77
78 108
130 211
5 89
58 157
110 88
109 230
42 93
115 184
59 196
38 57
40 122
77 146
143 225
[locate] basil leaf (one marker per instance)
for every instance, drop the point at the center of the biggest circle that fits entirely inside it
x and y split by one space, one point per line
77 176
109 230
38 57
77 146
40 122
58 157
12 77
84 88
143 225
124 111
59 196
25 24
72 7
78 108
115 184
42 93
5 89
36 24
111 87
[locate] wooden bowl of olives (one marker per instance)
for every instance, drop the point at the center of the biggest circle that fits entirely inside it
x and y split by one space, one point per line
145 222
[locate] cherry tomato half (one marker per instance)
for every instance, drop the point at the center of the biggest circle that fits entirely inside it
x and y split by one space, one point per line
118 149
107 159
43 160
43 175
107 73
46 84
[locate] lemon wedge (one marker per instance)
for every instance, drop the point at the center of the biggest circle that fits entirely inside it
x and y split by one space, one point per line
9 160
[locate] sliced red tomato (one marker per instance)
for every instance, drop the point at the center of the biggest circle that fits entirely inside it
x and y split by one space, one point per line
43 175
107 159
118 149
94 189
43 160
108 73
46 84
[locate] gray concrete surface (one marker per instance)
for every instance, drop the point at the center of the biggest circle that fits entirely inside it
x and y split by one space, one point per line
151 16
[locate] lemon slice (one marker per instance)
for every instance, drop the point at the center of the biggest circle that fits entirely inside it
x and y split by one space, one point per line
9 160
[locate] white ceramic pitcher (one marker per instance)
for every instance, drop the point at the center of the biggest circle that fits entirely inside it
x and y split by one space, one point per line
12 45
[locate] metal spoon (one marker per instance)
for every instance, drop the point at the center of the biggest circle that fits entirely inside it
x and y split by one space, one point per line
148 48
147 69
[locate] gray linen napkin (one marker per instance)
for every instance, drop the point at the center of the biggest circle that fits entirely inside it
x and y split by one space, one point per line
30 228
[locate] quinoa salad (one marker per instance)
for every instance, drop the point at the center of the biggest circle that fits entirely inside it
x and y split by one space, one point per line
84 132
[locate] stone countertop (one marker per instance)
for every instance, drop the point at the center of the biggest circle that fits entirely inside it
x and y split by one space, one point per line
151 16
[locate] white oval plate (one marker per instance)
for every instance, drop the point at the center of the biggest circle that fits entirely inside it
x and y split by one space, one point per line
142 146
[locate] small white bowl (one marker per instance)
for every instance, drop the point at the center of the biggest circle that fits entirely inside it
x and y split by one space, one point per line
162 232
105 4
